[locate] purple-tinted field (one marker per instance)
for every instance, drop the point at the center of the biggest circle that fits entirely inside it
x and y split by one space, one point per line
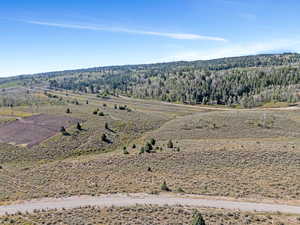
34 129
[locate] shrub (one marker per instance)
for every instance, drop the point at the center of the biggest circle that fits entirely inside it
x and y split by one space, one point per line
152 141
106 126
125 150
148 147
133 146
198 219
116 107
164 187
170 144
142 150
122 107
63 130
104 105
101 114
78 126
95 111
68 110
87 102
104 137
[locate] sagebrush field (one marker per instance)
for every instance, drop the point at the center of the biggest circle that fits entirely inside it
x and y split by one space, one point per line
225 153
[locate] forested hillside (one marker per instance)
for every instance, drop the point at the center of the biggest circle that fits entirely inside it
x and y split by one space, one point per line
248 80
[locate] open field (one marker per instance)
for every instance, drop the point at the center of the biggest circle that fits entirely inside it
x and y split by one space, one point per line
210 169
236 124
146 215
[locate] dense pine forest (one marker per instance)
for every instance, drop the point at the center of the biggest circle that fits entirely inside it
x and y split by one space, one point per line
247 81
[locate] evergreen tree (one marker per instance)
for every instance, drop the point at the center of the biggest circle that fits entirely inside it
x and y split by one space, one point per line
104 138
78 126
63 130
152 141
148 147
170 144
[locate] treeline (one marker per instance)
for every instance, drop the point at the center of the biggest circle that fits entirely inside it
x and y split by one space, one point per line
249 81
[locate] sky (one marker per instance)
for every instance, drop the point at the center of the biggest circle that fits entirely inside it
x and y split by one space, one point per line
51 35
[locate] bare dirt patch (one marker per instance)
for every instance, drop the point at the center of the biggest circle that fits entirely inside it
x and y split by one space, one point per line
34 129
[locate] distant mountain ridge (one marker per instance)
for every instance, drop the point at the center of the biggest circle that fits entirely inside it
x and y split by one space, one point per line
223 63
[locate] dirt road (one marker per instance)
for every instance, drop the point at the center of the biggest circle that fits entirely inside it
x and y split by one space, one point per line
133 199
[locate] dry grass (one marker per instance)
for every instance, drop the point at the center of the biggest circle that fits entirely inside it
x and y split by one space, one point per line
244 170
231 124
276 104
13 112
124 127
239 154
146 215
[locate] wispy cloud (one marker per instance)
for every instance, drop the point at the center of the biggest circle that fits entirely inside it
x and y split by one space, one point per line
238 50
181 36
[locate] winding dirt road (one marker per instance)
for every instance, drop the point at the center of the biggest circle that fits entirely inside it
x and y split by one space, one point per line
133 199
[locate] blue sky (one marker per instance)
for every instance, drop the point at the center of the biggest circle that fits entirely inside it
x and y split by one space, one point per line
49 35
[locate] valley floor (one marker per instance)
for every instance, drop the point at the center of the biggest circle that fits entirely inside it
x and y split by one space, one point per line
225 153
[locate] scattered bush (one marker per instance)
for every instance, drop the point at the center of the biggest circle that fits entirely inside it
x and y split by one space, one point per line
104 137
63 130
142 150
164 187
198 219
78 126
152 141
125 150
148 147
170 144
121 107
101 114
